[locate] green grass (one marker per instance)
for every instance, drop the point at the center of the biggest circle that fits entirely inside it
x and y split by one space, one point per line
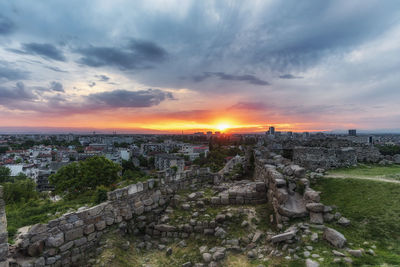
39 211
374 210
370 170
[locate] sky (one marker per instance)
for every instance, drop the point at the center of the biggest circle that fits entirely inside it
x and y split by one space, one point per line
159 66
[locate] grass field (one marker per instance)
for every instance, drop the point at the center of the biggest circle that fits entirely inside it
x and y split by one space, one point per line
374 210
370 170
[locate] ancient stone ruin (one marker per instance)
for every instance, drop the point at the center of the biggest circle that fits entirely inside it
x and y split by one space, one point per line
142 209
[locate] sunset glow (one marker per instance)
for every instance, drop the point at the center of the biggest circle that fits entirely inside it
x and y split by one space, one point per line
181 68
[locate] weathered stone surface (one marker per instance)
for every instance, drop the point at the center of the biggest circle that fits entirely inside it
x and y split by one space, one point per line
355 252
311 263
56 240
316 218
343 221
207 257
165 228
334 237
283 237
315 207
73 234
312 196
100 225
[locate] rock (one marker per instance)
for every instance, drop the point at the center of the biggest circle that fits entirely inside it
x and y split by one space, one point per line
168 252
328 217
187 264
316 218
165 228
338 253
218 255
207 257
315 207
192 196
257 236
306 254
311 263
220 232
314 237
203 249
55 240
182 244
244 224
283 237
312 196
355 252
337 215
371 252
334 237
309 248
343 221
185 206
251 254
220 218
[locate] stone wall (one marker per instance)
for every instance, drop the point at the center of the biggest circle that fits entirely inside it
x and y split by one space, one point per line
3 231
368 153
320 157
289 191
72 239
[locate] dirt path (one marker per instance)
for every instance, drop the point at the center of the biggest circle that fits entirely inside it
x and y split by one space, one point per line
374 178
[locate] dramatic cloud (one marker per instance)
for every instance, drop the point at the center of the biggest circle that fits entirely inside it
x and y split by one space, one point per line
137 55
48 51
251 79
19 92
56 86
290 76
11 74
6 25
129 99
292 62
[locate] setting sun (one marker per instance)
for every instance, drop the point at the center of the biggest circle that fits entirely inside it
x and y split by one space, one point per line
222 126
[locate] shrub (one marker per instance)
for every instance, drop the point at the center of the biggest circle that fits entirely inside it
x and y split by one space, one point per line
100 195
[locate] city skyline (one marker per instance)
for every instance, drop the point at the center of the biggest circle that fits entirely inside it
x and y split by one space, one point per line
167 66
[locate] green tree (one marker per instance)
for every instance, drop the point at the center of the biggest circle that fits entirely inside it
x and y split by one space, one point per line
78 177
4 174
20 191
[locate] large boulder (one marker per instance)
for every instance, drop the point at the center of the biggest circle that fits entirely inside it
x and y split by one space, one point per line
334 237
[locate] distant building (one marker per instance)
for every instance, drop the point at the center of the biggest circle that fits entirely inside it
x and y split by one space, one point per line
271 130
167 161
352 132
209 134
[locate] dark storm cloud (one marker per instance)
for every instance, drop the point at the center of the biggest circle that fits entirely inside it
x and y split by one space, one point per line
48 51
128 99
251 79
290 76
137 55
7 26
56 86
11 74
